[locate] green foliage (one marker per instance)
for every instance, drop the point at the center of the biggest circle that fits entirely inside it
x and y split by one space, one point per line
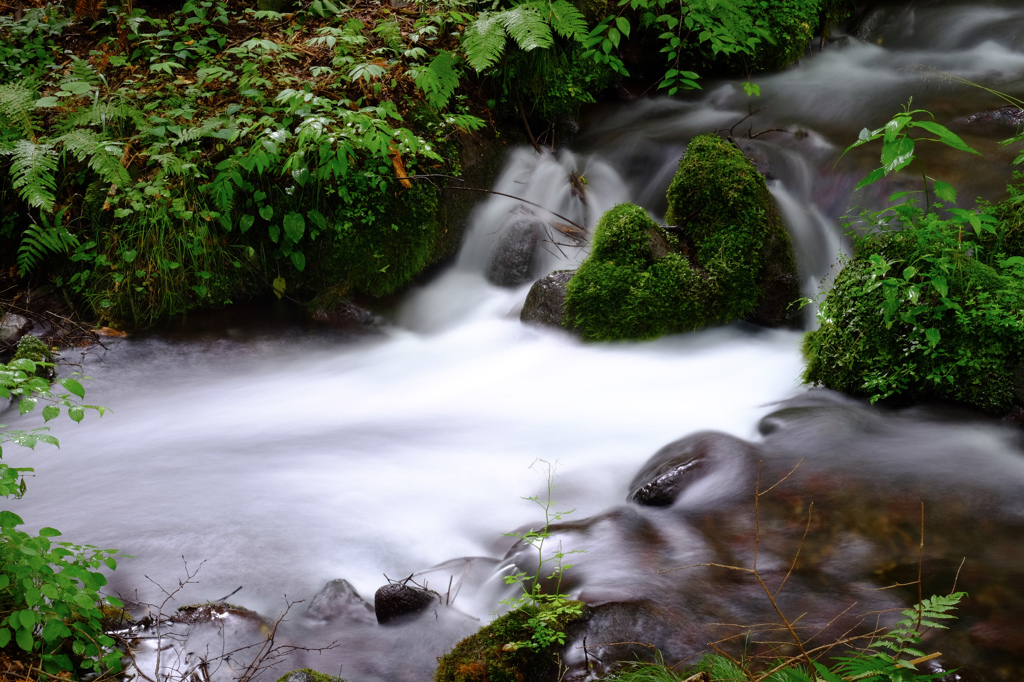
523 643
932 304
531 25
39 241
641 282
547 611
50 605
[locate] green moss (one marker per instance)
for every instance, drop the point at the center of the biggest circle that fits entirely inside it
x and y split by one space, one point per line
482 657
35 349
732 260
980 342
308 675
724 210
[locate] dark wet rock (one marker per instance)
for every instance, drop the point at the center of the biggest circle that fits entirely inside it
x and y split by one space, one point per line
12 328
397 599
709 465
338 599
338 311
545 304
1009 116
512 258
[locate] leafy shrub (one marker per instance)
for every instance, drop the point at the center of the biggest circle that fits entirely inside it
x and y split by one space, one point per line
930 307
50 605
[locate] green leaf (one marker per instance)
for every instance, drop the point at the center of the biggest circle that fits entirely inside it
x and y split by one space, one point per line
298 260
24 639
9 519
939 282
73 386
279 287
946 136
50 412
46 102
870 178
275 232
294 226
897 154
944 191
622 23
266 212
5 637
245 222
76 413
26 405
48 532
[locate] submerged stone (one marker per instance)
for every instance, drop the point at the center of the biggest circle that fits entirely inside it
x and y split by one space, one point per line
545 304
511 262
339 599
398 599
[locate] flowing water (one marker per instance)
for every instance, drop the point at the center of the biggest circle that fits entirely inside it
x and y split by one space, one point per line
278 460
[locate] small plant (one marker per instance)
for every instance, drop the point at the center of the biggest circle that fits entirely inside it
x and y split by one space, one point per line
547 610
50 605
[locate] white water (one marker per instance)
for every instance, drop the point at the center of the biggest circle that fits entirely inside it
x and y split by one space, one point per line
284 462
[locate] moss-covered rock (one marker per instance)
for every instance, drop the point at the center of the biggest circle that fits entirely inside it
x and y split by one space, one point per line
35 349
486 656
728 218
308 675
729 259
963 344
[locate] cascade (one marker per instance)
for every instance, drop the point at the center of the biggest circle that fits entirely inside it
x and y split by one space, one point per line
286 460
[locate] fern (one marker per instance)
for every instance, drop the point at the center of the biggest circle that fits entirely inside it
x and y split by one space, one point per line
33 166
207 129
37 241
901 641
101 154
438 80
16 104
103 114
484 40
567 21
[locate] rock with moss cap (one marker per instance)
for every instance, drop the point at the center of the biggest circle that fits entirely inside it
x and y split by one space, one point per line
729 223
309 675
35 349
490 656
727 257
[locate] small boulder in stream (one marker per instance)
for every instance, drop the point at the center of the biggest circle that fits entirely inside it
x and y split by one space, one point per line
545 304
511 262
339 600
398 599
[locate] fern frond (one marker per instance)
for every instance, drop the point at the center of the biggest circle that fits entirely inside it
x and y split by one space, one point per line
527 27
103 155
16 104
484 40
33 165
104 114
205 129
567 21
172 164
438 80
38 241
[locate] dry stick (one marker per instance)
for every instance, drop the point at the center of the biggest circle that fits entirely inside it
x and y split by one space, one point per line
526 124
792 565
427 176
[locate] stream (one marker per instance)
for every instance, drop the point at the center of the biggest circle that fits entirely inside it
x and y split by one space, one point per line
277 458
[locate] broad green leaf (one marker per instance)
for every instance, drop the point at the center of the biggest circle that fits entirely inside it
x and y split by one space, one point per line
26 405
5 637
944 191
245 222
298 260
73 386
76 413
275 232
24 364
54 629
48 532
622 23
294 226
9 519
897 154
50 412
24 639
5 580
946 136
870 178
46 102
279 286
939 282
266 212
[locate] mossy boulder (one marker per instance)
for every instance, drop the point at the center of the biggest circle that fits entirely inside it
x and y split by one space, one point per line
308 675
486 656
965 345
729 222
727 257
35 349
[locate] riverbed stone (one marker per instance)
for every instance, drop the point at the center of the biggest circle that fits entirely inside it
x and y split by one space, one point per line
397 599
339 599
512 258
545 304
12 328
711 465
